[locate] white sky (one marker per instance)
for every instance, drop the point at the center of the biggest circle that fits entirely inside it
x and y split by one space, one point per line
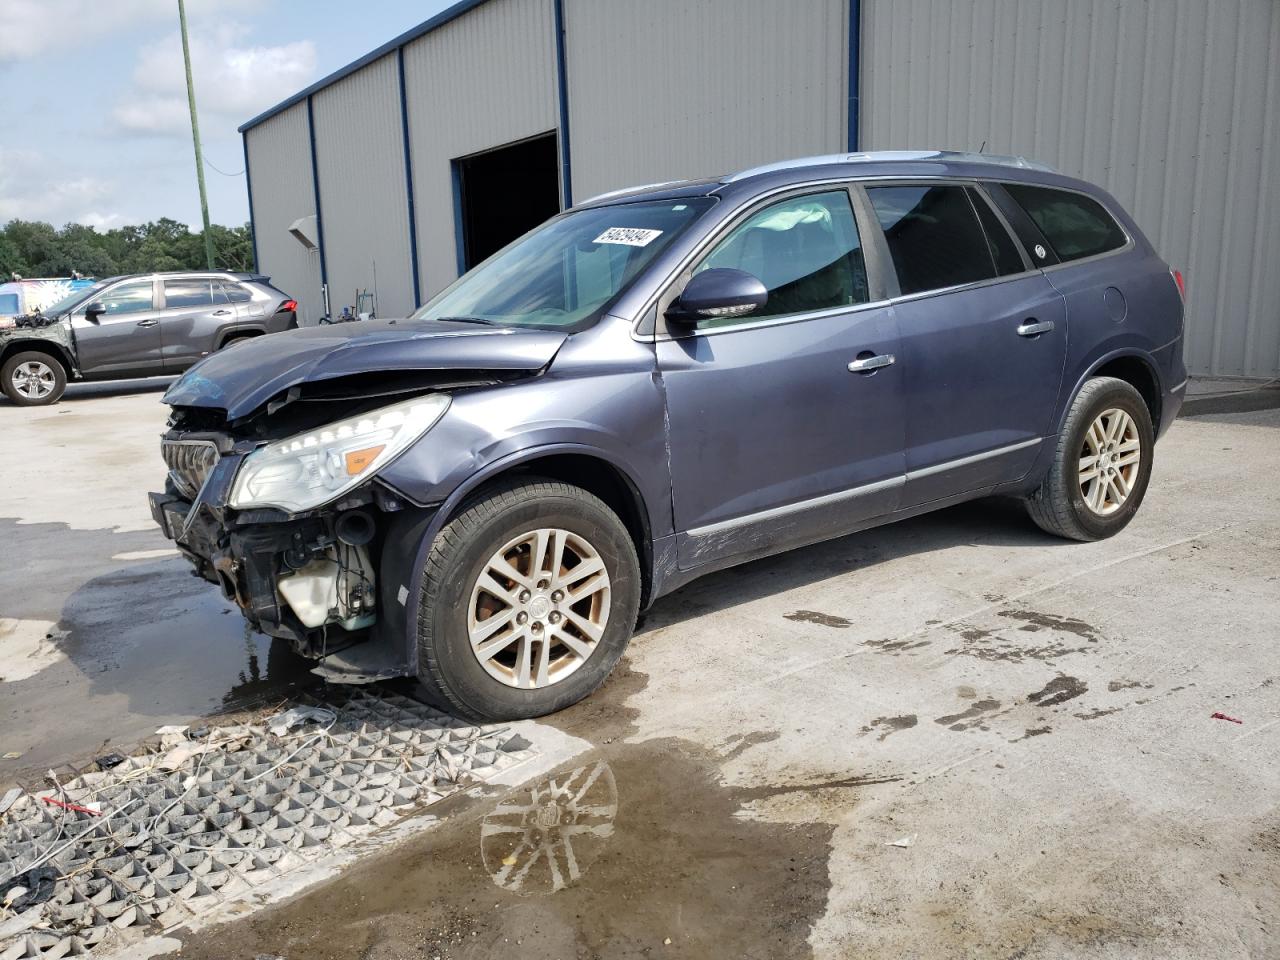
94 126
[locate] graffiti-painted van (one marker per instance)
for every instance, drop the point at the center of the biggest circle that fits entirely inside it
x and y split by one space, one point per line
19 298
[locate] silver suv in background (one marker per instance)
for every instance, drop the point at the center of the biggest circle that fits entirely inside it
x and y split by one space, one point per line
138 326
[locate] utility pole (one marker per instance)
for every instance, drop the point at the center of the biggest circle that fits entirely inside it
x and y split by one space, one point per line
195 135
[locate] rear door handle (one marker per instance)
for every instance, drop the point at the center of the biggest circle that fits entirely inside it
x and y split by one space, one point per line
1033 328
221 313
867 364
148 323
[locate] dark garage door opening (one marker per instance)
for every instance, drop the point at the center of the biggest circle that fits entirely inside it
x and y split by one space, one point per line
501 193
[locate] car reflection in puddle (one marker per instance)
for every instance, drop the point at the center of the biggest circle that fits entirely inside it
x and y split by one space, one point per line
543 838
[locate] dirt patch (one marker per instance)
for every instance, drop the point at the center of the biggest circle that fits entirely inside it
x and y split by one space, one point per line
679 864
889 725
1115 686
822 619
738 745
975 716
1058 690
1033 620
604 716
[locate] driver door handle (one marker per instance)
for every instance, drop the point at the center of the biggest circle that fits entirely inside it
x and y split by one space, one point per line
148 323
1033 328
867 364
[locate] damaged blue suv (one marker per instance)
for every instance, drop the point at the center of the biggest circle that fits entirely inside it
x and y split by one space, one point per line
664 382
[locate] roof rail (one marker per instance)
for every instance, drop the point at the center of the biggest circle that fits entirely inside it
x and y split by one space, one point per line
626 190
891 156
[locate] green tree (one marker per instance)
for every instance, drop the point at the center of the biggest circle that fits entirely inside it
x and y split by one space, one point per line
31 249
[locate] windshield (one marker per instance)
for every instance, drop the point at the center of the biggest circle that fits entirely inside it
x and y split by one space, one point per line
75 299
565 273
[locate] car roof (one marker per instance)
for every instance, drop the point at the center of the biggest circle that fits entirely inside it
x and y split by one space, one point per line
887 163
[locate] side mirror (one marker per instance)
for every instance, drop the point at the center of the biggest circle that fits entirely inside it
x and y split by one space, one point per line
718 292
93 311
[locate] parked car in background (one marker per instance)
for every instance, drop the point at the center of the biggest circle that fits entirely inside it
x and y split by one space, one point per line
139 326
661 383
19 298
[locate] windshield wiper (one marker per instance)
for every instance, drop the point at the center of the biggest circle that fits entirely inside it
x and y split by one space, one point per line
483 320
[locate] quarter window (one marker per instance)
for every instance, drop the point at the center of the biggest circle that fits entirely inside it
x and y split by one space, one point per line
187 293
934 236
805 250
1075 225
129 298
231 292
1004 253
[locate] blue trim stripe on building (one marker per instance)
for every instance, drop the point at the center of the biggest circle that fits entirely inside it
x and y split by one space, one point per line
562 80
459 229
248 185
439 20
855 69
408 182
315 184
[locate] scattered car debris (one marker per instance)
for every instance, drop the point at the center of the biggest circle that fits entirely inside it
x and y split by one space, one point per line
12 755
282 723
93 810
1223 716
903 841
172 845
9 799
28 889
109 760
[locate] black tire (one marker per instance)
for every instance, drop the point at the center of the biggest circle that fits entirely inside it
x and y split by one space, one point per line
1058 506
235 338
496 514
46 362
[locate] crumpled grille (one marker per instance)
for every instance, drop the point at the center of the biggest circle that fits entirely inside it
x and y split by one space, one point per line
190 462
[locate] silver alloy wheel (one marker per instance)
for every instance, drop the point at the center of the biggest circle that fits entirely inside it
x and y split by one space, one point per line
34 379
539 608
1109 461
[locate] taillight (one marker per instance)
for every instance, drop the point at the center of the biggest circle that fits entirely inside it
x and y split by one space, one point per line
291 306
1182 286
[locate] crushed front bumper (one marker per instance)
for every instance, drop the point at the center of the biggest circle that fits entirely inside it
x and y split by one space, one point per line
244 552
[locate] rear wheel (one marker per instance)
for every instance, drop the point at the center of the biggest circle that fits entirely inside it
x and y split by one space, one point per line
1102 464
33 379
529 598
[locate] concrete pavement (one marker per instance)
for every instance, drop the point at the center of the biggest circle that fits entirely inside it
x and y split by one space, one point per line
955 736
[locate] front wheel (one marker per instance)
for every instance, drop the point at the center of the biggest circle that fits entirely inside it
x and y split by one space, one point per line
529 598
33 379
1101 466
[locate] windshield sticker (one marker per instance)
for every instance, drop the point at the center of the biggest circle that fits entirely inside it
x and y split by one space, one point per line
630 236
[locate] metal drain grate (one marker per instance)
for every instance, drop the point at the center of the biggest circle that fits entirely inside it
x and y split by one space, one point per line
172 846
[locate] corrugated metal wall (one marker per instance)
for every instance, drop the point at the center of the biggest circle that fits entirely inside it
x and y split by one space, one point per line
668 89
483 80
1172 106
364 204
279 152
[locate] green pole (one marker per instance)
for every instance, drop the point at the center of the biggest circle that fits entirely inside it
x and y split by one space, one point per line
195 135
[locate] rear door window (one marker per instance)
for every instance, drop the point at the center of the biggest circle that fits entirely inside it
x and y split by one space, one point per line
187 293
805 250
934 237
1075 225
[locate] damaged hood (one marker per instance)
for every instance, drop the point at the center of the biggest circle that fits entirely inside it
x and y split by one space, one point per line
241 379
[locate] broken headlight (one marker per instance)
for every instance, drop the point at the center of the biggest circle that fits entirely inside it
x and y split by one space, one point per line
310 469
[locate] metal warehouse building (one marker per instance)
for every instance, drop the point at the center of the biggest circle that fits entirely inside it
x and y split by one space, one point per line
411 164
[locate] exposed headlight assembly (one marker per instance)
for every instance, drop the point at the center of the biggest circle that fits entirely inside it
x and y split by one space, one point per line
310 469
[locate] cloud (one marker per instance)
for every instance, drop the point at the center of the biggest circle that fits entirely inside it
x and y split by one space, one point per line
31 28
233 80
32 188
